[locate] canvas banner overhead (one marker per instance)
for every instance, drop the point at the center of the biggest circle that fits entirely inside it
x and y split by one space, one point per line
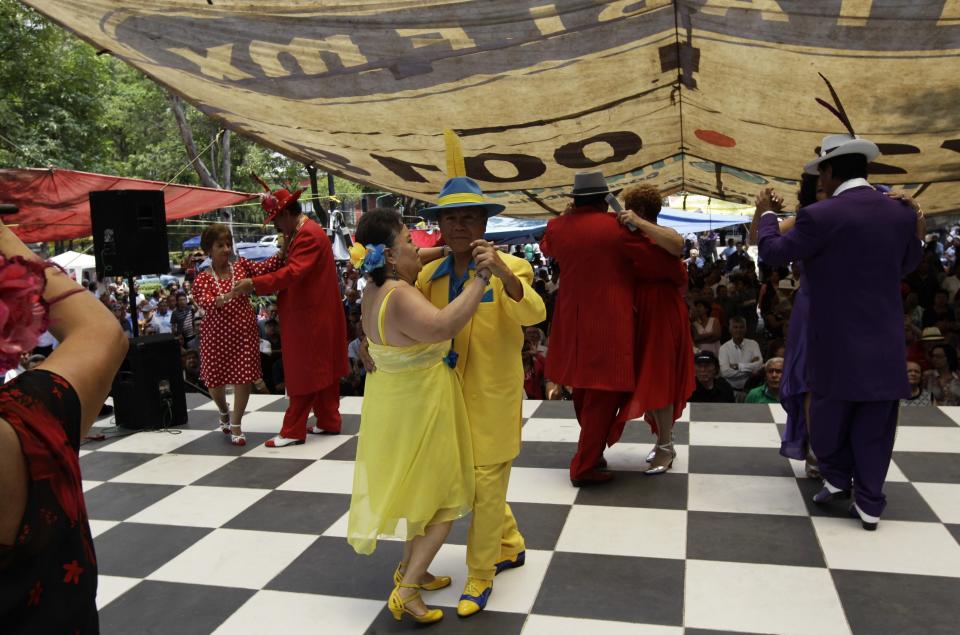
706 96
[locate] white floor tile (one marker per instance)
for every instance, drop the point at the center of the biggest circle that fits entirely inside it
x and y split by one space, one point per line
895 474
927 439
560 430
335 477
626 531
235 558
173 469
745 494
952 411
83 453
97 527
943 498
155 442
779 414
895 547
550 625
761 598
110 587
316 447
301 614
528 407
268 422
735 434
350 405
513 592
198 506
89 485
540 485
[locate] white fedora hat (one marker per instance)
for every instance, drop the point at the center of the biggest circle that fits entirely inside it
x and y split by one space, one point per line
836 145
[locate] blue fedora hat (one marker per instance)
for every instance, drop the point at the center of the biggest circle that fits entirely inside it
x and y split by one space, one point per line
460 191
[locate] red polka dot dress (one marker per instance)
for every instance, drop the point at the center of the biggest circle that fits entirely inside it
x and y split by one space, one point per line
229 335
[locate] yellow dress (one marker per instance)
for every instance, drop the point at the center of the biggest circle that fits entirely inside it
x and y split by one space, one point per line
414 458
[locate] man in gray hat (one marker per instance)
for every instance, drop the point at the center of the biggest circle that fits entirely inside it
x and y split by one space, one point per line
591 245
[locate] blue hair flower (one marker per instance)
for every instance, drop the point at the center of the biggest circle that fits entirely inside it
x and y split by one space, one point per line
374 258
451 358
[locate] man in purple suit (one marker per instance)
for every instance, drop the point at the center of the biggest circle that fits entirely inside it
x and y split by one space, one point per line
856 351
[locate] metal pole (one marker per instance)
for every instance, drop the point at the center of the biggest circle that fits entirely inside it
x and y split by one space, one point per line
134 322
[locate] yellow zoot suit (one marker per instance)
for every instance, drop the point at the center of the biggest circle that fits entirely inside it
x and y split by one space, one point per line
491 374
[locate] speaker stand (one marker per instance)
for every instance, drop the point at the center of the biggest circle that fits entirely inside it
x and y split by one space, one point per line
134 316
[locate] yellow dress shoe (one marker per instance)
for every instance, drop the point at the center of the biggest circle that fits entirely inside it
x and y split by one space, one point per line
475 596
438 582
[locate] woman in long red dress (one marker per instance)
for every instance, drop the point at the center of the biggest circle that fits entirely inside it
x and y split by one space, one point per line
663 348
229 336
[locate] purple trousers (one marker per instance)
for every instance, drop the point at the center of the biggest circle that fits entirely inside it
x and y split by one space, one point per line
853 441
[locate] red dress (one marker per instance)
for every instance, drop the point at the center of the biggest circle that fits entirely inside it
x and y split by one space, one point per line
229 336
663 349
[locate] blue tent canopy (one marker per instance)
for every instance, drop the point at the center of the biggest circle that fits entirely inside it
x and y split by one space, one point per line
192 243
503 230
686 222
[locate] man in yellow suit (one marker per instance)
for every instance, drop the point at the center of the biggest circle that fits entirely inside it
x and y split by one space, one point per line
491 373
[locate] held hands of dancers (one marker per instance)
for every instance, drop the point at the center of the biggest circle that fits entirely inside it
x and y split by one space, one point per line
242 287
768 201
487 257
224 299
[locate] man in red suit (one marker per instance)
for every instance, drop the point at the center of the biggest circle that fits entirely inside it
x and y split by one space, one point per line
592 337
312 324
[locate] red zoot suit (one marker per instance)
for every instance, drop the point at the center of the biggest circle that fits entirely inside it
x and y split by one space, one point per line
312 330
592 338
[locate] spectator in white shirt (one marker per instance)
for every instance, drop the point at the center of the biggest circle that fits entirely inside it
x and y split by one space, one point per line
740 357
161 319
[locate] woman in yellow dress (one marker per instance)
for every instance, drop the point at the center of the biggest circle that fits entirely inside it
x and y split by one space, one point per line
414 467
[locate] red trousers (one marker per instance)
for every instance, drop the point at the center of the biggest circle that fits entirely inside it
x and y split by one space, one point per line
325 405
597 413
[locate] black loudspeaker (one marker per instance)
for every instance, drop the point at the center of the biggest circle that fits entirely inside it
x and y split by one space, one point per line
148 389
129 232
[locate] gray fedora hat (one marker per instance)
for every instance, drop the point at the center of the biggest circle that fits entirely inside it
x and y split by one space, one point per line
590 184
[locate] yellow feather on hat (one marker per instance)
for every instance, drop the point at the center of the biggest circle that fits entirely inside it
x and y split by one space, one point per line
455 165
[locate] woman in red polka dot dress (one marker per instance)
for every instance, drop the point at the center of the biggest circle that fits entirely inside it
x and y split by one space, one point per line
229 336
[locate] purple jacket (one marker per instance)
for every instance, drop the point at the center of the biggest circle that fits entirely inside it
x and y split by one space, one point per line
855 248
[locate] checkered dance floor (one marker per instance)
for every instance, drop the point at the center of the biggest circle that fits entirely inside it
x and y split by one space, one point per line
194 535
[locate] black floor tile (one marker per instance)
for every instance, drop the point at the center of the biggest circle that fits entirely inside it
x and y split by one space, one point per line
196 399
545 454
347 574
757 538
294 512
646 590
890 603
219 444
103 466
280 405
555 410
904 502
119 501
639 432
168 607
350 424
344 452
746 412
255 473
933 417
636 489
540 524
201 420
709 631
929 467
955 530
708 459
136 550
483 623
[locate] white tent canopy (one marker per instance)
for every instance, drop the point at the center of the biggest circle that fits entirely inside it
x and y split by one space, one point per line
77 264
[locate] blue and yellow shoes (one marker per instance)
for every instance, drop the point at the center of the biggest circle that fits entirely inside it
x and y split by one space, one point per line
475 595
511 563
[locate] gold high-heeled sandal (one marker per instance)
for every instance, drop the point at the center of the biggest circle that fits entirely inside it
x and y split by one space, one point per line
439 581
397 606
660 469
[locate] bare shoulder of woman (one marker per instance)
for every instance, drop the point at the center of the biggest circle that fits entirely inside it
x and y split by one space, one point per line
13 481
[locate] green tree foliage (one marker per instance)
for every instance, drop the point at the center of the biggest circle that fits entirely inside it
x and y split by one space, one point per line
63 105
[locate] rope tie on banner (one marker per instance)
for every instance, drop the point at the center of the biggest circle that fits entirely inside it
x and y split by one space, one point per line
189 163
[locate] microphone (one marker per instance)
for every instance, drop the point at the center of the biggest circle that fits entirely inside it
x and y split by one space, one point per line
615 205
7 209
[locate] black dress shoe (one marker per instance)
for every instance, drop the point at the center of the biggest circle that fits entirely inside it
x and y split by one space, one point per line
601 464
869 526
825 495
592 477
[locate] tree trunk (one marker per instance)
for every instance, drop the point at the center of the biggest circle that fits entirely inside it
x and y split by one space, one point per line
226 176
187 136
